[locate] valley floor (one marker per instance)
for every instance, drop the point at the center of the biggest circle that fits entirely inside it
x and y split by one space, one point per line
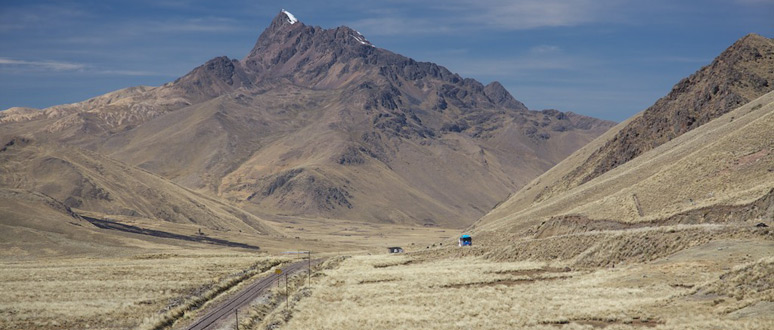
148 275
723 283
719 285
117 293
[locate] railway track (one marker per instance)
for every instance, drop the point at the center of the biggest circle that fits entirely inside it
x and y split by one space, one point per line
244 297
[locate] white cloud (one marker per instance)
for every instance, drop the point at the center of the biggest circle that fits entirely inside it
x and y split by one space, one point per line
42 65
399 25
444 16
138 73
530 14
674 59
539 59
57 66
545 49
16 18
756 2
202 24
519 66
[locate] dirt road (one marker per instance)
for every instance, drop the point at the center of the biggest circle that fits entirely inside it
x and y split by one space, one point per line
244 297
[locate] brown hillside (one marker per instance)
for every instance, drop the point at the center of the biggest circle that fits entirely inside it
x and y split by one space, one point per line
690 91
717 173
86 181
740 74
320 123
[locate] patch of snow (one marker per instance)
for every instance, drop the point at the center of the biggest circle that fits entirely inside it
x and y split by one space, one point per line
291 19
361 39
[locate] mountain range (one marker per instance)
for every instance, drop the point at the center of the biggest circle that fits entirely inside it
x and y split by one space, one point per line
313 122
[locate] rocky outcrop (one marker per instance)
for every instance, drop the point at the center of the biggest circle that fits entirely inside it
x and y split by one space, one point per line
218 76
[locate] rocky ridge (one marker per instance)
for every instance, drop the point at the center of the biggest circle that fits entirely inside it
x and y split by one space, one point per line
321 123
738 75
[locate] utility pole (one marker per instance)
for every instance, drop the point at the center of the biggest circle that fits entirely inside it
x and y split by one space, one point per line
237 318
278 272
286 292
309 281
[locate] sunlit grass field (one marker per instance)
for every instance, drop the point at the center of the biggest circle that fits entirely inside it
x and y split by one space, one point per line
109 293
404 292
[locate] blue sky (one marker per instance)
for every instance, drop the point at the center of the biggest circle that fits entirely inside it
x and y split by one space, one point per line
603 58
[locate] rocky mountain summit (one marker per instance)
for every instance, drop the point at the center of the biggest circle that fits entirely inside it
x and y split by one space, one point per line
319 122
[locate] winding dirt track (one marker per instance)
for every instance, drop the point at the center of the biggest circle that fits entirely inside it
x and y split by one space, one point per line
244 297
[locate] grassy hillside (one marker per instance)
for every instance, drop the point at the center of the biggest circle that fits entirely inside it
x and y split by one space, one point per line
726 162
737 76
87 182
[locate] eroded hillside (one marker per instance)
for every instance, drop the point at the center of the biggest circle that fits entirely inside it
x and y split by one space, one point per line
319 122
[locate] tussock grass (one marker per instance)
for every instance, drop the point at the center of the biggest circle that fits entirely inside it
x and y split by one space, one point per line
477 293
141 291
743 286
208 293
277 307
424 296
608 248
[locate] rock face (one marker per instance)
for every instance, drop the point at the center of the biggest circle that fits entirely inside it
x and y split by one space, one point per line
740 74
218 76
319 122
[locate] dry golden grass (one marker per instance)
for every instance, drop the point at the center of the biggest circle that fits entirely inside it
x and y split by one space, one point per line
389 292
745 286
346 236
274 309
724 162
106 284
105 293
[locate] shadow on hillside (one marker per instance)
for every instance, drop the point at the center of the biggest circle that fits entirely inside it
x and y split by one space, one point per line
107 224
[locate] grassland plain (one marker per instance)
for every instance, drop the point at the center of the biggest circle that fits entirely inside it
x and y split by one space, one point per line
696 288
141 291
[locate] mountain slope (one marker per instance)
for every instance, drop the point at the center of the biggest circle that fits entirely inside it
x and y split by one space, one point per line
89 182
726 162
722 163
737 76
742 71
318 122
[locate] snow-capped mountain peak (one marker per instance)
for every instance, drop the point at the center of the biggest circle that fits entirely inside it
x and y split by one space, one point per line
361 39
291 19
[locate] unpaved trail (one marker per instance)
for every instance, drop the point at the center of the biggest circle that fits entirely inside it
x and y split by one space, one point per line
244 297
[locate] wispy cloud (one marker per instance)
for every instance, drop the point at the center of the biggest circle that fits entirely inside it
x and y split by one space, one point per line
198 24
138 73
756 2
15 18
400 25
519 66
42 65
540 59
57 66
530 14
545 49
674 59
438 17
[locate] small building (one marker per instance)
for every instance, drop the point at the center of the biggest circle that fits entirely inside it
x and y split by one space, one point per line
395 249
466 240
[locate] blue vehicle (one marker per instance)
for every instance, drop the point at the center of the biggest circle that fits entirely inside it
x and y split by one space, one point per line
466 240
